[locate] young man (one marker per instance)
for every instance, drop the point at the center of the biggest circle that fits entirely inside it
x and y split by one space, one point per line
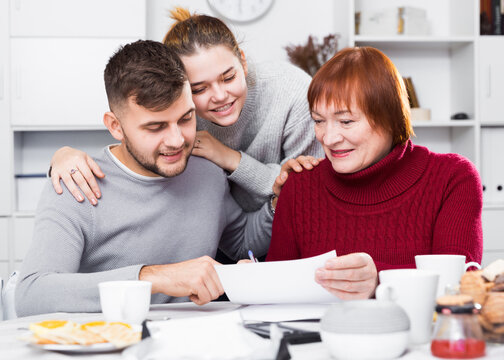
164 213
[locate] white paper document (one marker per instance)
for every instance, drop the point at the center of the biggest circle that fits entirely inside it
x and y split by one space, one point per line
275 282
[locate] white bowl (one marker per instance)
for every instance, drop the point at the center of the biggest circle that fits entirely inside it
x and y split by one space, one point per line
365 346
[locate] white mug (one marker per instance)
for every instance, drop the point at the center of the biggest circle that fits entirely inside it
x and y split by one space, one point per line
125 301
449 267
415 291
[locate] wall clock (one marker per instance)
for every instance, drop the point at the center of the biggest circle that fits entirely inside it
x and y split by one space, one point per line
240 11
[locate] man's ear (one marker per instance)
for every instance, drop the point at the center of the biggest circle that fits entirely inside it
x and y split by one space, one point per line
244 62
113 125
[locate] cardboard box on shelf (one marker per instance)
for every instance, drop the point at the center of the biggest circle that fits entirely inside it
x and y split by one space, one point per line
393 21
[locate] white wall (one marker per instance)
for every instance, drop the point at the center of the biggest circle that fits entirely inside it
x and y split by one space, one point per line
287 22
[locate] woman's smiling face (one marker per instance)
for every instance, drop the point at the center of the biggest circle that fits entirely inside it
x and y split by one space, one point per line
218 83
350 142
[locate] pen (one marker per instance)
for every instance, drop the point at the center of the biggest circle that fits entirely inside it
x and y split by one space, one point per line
252 257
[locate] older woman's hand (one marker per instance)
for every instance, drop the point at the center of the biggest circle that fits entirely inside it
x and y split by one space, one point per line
349 277
298 164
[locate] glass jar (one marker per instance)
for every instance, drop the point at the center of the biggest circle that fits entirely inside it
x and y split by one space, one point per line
458 333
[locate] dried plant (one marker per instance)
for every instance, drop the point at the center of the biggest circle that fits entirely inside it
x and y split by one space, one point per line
311 56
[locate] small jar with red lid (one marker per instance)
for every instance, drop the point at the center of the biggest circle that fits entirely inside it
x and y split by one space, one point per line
458 333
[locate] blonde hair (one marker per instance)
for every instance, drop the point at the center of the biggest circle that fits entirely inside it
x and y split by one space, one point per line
192 31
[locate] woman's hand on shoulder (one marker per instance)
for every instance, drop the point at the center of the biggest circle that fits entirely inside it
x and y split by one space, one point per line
210 148
349 277
77 170
298 164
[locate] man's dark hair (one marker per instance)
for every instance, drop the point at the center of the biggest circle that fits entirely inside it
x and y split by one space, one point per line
146 70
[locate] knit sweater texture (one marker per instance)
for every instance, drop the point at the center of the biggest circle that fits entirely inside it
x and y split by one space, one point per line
275 125
411 202
139 221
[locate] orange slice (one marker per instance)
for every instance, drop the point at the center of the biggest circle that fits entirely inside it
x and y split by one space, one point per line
51 324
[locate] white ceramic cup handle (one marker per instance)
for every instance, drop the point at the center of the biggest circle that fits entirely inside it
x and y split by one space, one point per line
472 263
385 292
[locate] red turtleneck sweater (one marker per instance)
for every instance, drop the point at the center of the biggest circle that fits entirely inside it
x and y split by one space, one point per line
411 202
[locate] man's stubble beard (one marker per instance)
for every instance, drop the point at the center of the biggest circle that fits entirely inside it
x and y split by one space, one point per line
144 162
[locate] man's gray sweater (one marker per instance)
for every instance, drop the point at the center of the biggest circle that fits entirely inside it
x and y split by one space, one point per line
139 221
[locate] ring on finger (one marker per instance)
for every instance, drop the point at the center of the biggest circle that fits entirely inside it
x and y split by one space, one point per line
73 171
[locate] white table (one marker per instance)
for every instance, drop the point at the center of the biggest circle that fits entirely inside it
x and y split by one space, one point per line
12 348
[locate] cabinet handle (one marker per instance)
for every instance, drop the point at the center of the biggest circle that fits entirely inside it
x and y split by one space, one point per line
489 82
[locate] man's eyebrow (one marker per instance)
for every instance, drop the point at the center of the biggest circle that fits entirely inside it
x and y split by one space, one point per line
154 123
224 73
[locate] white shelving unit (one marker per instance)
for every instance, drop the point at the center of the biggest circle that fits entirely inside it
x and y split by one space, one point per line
51 95
442 66
454 69
51 91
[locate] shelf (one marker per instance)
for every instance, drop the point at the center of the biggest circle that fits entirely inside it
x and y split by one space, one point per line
25 128
414 42
493 206
24 214
492 124
451 123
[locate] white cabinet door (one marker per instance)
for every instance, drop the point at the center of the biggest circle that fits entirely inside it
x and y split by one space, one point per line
4 239
23 234
491 78
493 229
59 81
78 18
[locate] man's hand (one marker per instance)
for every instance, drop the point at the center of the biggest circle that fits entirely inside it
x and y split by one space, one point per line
349 277
210 148
195 278
297 165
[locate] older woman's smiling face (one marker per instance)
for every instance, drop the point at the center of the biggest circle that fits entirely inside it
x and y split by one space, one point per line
348 139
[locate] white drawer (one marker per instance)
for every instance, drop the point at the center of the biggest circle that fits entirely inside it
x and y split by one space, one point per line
493 229
4 239
78 18
59 82
23 234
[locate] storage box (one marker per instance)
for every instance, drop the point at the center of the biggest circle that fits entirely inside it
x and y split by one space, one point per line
28 190
393 21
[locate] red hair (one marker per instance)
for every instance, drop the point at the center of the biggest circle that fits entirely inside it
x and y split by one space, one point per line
367 78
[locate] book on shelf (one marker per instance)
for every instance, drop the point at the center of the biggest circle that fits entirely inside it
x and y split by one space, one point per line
413 99
491 17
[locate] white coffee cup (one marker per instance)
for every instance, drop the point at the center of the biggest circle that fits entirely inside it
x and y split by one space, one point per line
449 267
125 301
415 291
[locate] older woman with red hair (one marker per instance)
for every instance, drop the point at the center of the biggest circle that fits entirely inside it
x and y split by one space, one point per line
377 198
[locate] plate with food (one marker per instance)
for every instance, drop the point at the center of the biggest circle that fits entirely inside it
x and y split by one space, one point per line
93 337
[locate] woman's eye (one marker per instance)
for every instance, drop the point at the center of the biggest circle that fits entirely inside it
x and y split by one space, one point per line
197 91
318 121
346 122
228 79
